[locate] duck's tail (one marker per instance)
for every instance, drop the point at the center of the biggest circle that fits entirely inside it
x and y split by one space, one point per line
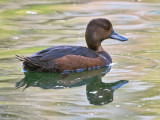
28 63
31 64
20 58
26 59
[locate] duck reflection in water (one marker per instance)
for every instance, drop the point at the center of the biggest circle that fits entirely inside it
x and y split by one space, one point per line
98 92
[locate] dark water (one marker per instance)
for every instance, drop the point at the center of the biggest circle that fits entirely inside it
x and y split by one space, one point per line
129 91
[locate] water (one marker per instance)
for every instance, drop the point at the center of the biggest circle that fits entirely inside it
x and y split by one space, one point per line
29 26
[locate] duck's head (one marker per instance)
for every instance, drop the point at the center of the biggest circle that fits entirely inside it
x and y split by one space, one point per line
98 30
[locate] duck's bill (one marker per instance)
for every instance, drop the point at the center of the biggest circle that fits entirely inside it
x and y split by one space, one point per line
116 36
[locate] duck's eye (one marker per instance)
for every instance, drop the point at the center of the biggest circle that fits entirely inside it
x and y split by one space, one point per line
106 27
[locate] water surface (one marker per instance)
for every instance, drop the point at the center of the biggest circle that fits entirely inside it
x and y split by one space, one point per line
30 26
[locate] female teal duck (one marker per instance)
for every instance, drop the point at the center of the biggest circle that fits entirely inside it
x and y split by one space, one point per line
73 58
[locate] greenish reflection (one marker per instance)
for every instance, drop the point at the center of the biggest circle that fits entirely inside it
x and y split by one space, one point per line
98 92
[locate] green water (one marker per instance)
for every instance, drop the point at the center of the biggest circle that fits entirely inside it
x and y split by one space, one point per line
29 26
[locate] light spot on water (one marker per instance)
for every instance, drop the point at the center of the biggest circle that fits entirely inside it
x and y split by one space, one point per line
93 92
92 113
106 89
31 12
59 86
117 105
151 98
15 37
100 96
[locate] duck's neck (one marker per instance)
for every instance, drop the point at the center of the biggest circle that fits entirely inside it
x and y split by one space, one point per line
93 43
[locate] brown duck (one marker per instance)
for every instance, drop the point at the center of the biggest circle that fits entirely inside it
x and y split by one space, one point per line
74 58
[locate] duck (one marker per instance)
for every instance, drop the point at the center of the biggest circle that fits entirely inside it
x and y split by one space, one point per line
63 58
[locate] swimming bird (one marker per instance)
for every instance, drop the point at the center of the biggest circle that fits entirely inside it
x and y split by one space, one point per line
72 58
